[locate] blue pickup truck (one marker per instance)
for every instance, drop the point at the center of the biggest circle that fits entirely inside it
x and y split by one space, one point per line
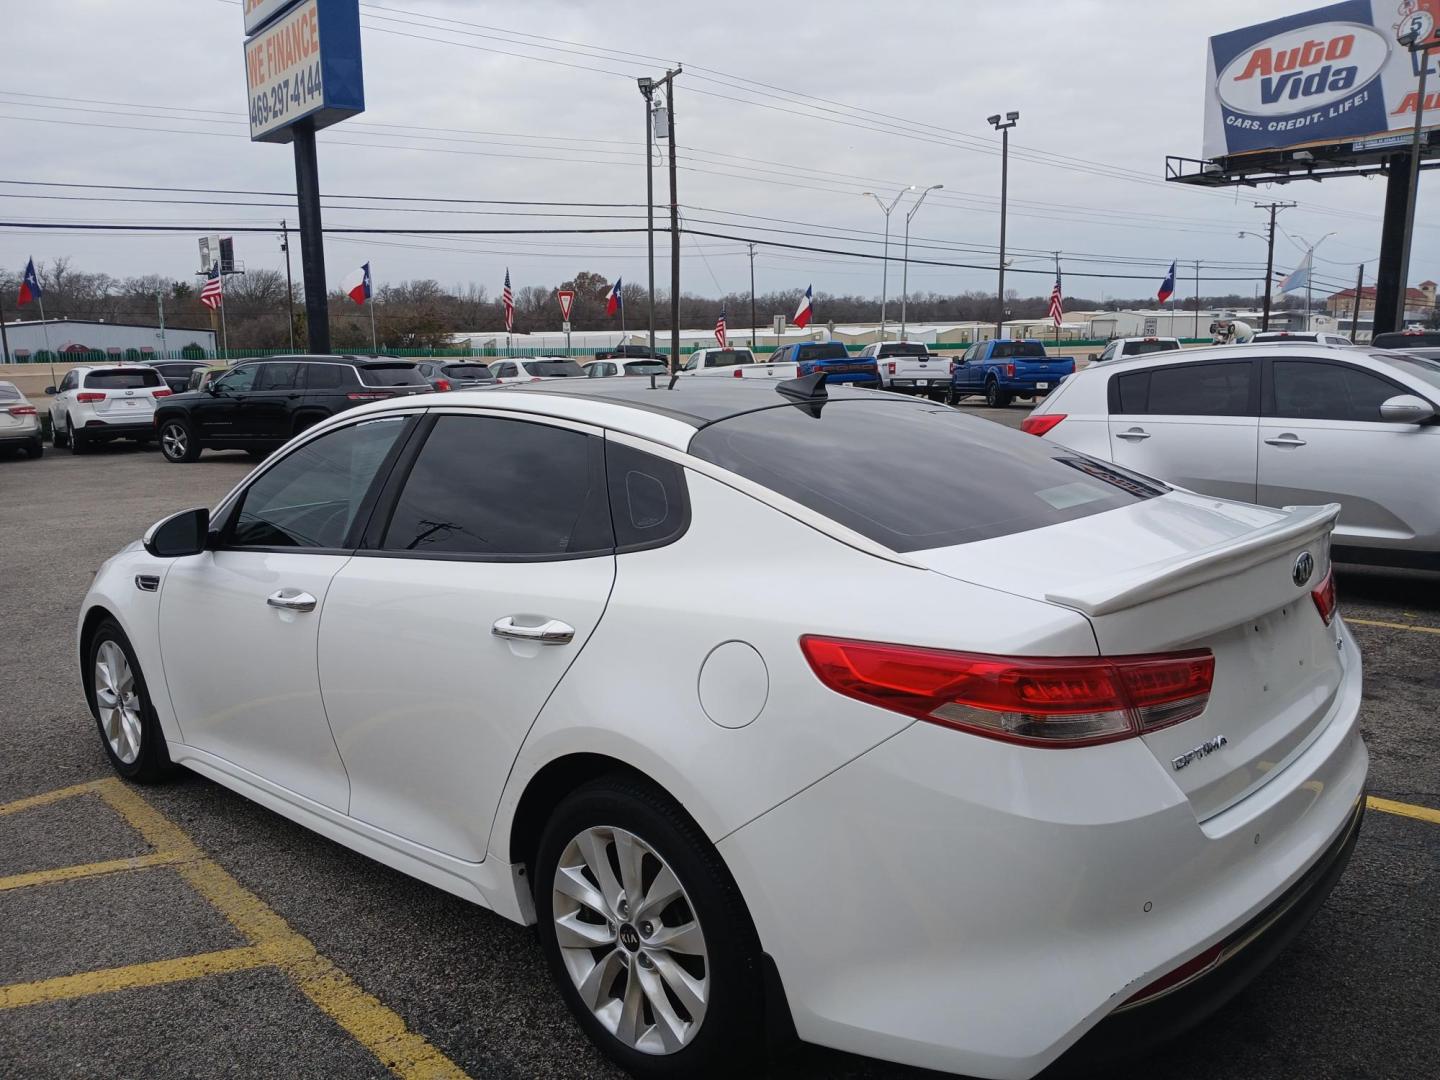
1005 369
832 358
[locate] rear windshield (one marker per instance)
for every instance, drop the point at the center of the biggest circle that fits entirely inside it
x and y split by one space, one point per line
825 350
390 375
565 369
1284 335
8 392
1139 348
468 371
728 357
123 379
966 479
904 349
1406 341
646 367
1023 350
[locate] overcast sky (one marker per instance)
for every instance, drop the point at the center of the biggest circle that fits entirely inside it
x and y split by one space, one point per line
153 93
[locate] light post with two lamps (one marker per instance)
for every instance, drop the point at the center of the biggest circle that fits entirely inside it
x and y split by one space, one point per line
885 259
1003 126
905 273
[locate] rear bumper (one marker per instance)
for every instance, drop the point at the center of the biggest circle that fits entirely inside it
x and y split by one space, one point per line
105 429
954 903
20 436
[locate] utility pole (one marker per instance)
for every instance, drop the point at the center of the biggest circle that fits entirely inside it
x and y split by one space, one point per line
1011 118
647 91
289 282
5 337
160 310
1355 311
647 87
1273 209
752 294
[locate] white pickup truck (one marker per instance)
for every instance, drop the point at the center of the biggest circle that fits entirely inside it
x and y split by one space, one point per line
726 362
909 367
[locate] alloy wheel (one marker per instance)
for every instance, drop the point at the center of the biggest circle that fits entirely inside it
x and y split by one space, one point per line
118 701
175 440
630 940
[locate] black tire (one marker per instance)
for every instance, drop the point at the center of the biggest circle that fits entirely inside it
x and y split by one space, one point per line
77 444
152 758
731 1035
951 398
177 442
35 449
994 396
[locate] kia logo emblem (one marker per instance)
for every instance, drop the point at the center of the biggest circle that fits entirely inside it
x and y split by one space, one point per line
1304 567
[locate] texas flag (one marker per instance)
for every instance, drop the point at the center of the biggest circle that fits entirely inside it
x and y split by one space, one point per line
1167 287
614 303
806 309
29 286
357 285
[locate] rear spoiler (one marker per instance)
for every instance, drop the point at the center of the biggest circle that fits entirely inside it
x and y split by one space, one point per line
1300 525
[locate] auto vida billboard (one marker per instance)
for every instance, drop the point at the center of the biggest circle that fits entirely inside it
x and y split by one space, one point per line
1330 75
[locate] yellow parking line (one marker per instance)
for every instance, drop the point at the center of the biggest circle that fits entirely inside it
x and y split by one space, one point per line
86 870
1403 809
1392 625
376 1027
46 799
108 980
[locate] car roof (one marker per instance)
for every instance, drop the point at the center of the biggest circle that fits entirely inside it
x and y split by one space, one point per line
1303 350
324 358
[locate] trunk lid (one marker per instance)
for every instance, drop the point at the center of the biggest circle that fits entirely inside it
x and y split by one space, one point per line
1040 369
1194 573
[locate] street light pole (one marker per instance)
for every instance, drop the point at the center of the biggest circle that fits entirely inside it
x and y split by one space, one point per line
905 273
647 90
289 282
885 259
752 295
1003 126
1407 234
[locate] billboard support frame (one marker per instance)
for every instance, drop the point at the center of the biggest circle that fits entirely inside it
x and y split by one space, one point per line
312 241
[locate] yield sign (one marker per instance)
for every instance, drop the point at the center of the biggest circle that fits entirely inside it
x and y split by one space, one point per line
567 298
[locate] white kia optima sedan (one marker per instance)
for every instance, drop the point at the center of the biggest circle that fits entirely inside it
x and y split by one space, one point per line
952 771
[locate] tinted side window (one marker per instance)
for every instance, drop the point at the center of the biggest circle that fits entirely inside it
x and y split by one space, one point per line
311 497
70 381
1307 391
278 377
241 379
1193 390
324 376
504 489
1128 393
648 501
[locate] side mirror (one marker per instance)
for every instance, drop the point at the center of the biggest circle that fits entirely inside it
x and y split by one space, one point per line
1406 409
51 390
185 533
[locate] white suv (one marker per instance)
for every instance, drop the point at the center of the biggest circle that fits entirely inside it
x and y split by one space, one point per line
1282 426
96 404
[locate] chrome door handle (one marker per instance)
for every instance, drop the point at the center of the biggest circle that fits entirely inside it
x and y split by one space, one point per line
1285 440
291 600
549 632
1133 433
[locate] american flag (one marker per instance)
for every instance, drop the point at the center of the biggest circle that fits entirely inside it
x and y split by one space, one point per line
1056 308
508 299
212 293
720 328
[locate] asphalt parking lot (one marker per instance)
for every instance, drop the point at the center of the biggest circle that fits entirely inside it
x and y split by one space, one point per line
182 930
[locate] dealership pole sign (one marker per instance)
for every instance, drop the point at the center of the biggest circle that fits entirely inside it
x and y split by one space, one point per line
1334 74
303 63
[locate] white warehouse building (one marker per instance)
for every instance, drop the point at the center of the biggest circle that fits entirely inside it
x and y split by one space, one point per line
27 340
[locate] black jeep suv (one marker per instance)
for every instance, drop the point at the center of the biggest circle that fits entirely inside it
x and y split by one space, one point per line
261 403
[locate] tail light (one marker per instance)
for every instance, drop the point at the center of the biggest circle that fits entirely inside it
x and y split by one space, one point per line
367 396
1030 700
891 366
737 374
22 410
1009 371
1324 597
442 385
162 391
1041 423
89 396
952 367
